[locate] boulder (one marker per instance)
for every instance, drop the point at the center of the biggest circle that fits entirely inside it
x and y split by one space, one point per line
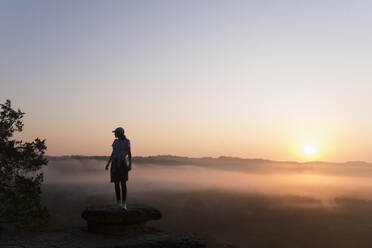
112 219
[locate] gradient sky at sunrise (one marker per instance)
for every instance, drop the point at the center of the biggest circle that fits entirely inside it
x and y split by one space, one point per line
257 79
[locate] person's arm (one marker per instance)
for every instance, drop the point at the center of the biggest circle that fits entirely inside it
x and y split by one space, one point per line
108 163
129 159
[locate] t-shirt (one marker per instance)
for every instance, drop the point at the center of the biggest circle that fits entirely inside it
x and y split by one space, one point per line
120 148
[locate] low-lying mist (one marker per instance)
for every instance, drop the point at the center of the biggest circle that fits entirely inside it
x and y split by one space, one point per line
310 182
256 203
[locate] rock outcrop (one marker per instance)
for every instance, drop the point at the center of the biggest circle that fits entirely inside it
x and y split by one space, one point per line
77 238
108 226
112 219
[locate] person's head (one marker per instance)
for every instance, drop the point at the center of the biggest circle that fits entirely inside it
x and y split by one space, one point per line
119 133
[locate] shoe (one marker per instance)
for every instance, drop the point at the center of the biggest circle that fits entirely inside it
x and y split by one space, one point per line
124 206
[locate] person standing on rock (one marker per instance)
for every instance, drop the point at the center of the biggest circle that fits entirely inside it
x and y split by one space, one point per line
121 164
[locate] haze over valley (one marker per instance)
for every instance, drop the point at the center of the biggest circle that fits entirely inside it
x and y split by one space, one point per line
240 201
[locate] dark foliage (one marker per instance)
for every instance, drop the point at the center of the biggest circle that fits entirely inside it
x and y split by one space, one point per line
20 176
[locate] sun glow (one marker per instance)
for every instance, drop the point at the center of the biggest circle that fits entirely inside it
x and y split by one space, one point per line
310 150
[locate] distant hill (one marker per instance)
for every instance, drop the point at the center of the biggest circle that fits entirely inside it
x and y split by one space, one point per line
351 168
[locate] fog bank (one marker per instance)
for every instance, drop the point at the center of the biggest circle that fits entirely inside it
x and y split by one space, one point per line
250 205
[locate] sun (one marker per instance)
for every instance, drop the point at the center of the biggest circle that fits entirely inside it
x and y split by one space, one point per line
310 150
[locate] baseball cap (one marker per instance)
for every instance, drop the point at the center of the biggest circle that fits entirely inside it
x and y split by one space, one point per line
119 130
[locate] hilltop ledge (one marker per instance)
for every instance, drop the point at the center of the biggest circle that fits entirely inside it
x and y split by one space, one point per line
108 226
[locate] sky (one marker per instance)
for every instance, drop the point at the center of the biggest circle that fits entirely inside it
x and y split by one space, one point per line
254 79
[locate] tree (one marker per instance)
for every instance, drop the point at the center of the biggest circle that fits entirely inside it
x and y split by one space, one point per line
20 176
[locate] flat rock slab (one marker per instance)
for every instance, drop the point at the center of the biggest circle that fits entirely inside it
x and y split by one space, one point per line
116 215
112 219
77 238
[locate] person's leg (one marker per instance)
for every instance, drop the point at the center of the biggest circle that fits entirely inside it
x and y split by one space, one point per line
124 191
117 191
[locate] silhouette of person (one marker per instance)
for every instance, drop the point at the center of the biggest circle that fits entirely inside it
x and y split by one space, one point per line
121 164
